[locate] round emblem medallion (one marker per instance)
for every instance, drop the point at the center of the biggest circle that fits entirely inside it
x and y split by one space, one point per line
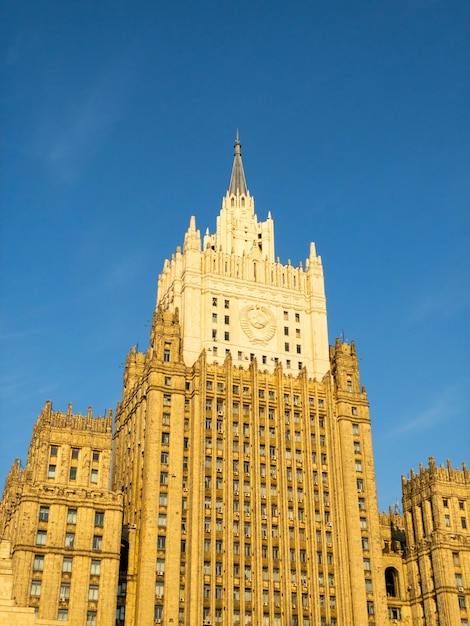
258 323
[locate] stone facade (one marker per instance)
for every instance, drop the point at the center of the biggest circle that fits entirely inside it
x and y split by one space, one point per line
63 521
436 505
239 485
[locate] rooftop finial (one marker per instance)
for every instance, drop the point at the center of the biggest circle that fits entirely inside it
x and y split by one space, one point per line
237 180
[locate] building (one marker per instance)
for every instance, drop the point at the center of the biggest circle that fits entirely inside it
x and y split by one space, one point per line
63 521
242 484
436 508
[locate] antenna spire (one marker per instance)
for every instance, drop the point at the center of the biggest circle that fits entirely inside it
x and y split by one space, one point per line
237 180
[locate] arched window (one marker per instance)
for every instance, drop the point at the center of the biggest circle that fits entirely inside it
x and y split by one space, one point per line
391 582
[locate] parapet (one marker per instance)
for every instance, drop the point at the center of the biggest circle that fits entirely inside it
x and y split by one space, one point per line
433 474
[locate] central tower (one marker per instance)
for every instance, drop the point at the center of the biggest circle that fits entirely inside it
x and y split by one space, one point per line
243 446
234 297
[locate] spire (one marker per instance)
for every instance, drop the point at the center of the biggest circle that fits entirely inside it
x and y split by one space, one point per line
237 180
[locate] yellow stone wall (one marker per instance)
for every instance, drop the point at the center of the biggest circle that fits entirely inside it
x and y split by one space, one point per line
60 508
250 480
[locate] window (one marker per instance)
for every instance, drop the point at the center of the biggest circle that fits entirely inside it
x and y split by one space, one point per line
51 471
286 346
461 600
93 593
64 593
43 513
95 456
73 473
69 540
38 563
94 476
54 450
91 618
458 580
394 612
72 516
445 503
162 519
358 465
461 505
67 564
447 520
167 381
370 607
166 355
363 523
456 559
214 301
95 567
35 588
366 562
63 615
161 542
97 542
227 336
164 456
355 429
226 319
365 543
99 518
75 452
226 304
368 582
463 521
354 410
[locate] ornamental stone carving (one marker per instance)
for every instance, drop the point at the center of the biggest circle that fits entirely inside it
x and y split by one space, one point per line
258 323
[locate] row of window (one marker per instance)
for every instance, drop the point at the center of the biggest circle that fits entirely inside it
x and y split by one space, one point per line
448 524
421 522
246 618
67 562
91 617
285 314
246 391
74 453
71 515
297 600
69 540
264 358
64 592
52 471
268 431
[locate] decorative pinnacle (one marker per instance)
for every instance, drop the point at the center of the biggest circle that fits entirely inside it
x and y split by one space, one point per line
237 180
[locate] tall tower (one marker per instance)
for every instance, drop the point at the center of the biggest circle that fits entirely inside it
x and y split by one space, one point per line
234 296
243 446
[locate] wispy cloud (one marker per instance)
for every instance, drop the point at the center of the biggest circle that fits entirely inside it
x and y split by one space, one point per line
87 119
447 404
445 302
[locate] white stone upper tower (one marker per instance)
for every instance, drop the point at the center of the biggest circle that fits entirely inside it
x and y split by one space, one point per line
235 298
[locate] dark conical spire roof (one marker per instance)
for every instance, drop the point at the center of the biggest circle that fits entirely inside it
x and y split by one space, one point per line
237 180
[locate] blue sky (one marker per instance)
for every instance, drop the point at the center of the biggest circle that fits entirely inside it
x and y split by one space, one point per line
118 120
